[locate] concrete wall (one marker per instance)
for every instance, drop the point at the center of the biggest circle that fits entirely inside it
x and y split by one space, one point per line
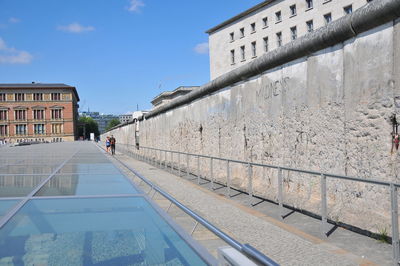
328 112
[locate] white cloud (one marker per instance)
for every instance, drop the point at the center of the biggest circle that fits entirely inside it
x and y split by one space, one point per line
10 55
13 20
201 48
75 28
135 5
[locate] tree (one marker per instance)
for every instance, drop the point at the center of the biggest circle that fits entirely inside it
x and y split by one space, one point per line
113 122
88 125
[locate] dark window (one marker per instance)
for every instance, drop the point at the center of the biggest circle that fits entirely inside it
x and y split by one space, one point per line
38 114
348 9
232 56
265 44
309 4
19 97
39 129
20 114
3 114
310 26
241 32
253 27
56 114
328 18
265 22
2 97
20 129
56 96
254 49
293 33
232 36
279 39
278 16
38 96
293 10
3 130
243 53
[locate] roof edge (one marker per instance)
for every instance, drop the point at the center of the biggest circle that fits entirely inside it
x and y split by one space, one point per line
239 16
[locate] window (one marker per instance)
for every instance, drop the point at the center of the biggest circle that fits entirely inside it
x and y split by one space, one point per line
265 22
265 44
328 18
243 53
19 97
279 39
56 96
38 114
241 32
2 97
56 114
293 11
3 130
309 4
293 33
39 129
20 129
254 49
253 27
348 9
310 26
20 114
232 36
232 57
3 115
278 16
56 128
38 96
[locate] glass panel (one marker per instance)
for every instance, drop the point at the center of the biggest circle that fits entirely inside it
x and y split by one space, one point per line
18 185
90 168
27 169
111 231
6 205
84 184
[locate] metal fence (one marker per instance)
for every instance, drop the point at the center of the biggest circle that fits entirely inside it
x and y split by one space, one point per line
165 159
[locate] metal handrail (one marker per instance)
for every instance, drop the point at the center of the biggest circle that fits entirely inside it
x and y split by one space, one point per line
393 187
245 249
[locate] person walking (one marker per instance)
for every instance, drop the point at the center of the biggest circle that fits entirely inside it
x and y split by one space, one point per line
108 144
112 143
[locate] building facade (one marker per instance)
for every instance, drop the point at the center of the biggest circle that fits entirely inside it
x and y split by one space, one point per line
269 25
38 112
126 118
168 96
102 120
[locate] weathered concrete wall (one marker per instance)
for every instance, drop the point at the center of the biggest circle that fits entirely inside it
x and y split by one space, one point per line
327 112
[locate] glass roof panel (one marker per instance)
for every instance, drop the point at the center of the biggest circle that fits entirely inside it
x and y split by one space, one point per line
87 184
103 231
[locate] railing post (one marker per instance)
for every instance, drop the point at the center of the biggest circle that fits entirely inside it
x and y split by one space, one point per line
187 166
250 182
280 192
211 173
165 159
179 164
395 224
172 161
324 207
160 158
198 169
228 179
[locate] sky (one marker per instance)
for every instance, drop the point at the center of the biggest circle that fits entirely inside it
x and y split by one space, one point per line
119 54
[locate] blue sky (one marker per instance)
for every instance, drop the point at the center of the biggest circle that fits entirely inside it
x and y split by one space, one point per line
118 53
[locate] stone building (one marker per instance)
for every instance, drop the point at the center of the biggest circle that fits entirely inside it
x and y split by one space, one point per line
102 120
126 118
38 112
269 25
168 96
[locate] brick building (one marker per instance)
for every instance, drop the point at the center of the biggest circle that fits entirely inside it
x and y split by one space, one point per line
38 112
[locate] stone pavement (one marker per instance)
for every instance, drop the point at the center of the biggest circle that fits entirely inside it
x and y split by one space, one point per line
292 242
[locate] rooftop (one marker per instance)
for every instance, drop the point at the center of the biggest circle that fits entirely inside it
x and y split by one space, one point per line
35 85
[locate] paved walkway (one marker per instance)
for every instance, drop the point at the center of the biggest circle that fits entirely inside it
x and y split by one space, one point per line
282 242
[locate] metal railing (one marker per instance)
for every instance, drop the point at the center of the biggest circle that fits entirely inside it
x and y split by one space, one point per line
160 157
245 249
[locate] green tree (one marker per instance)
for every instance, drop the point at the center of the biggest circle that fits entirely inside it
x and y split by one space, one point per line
86 126
113 122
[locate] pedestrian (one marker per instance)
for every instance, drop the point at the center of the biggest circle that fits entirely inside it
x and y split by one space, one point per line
112 142
108 144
